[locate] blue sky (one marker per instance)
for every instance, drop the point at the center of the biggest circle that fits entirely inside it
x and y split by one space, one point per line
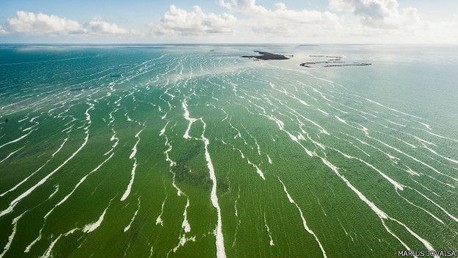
233 21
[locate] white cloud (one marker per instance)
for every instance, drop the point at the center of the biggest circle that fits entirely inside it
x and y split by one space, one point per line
297 20
379 13
99 26
44 24
180 22
345 21
242 6
247 22
282 20
28 22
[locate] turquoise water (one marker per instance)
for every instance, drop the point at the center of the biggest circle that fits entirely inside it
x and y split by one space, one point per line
193 151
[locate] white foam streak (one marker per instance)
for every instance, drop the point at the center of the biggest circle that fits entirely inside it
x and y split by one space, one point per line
428 189
161 133
322 130
258 170
425 243
421 208
134 168
220 251
437 154
389 179
185 225
341 120
417 160
16 140
373 207
269 159
42 181
322 111
304 222
411 171
134 149
96 224
11 154
426 125
437 205
382 215
423 140
188 118
440 136
392 122
395 236
133 217
271 241
36 171
392 109
281 126
129 186
159 220
81 181
11 237
183 240
48 252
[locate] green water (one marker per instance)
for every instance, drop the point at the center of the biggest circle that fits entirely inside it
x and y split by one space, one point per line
193 151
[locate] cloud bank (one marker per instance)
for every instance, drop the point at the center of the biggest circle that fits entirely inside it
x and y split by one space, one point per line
247 21
379 13
244 19
242 5
99 26
28 22
44 24
180 22
287 22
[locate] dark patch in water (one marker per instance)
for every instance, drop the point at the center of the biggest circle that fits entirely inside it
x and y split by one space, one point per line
184 174
195 177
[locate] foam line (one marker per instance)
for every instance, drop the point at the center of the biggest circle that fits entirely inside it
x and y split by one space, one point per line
36 171
11 237
271 241
16 140
133 218
304 222
132 177
11 154
42 181
188 118
220 250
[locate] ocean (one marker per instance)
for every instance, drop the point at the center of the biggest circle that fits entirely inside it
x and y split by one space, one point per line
194 151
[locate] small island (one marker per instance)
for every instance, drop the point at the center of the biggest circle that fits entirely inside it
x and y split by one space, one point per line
267 56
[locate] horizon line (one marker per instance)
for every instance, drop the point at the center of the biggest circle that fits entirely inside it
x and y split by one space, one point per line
216 44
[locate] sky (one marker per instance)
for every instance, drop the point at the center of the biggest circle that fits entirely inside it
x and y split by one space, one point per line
230 21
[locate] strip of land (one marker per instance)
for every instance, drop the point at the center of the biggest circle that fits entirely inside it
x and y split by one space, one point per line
330 61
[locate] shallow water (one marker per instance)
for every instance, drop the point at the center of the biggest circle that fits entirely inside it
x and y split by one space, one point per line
194 151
